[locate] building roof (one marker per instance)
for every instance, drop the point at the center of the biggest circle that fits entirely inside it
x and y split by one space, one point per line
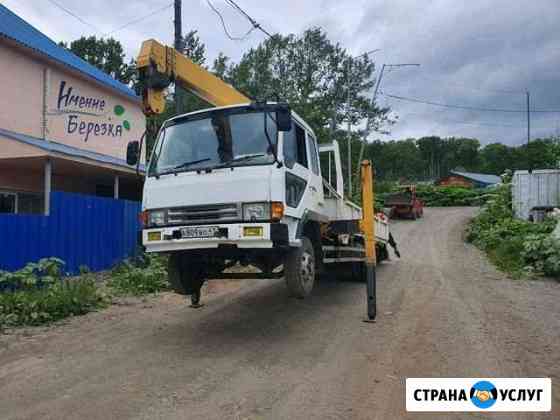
15 28
486 179
54 147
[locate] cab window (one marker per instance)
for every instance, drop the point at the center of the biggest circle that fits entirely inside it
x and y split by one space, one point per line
294 146
314 158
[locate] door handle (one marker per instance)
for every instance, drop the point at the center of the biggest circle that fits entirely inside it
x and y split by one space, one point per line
312 188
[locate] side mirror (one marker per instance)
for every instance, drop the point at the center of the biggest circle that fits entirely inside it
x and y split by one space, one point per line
132 153
283 118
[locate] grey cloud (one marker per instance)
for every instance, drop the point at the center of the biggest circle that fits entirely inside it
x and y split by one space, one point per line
469 50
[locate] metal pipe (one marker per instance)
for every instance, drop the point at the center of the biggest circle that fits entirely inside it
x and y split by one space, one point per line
47 187
116 187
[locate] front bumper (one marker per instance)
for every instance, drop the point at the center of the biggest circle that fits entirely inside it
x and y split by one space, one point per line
273 235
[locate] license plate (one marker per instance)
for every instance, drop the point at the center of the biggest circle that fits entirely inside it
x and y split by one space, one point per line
200 232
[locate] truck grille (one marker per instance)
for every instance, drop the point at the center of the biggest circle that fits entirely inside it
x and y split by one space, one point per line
204 214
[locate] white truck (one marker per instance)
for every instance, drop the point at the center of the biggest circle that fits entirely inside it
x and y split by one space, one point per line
243 184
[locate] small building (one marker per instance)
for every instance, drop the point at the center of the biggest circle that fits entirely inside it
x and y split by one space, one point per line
535 191
468 180
64 127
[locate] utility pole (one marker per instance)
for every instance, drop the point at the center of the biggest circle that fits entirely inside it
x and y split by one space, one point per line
349 128
349 133
529 129
528 117
178 46
373 98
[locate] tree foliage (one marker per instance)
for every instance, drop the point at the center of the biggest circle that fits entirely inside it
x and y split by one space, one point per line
320 79
430 158
105 54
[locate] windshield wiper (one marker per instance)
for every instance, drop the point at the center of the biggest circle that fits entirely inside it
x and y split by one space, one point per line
240 159
184 165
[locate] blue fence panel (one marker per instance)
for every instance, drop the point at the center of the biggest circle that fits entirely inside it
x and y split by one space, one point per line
81 230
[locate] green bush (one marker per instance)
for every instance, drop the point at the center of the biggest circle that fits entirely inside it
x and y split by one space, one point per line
434 196
514 245
542 253
140 277
37 294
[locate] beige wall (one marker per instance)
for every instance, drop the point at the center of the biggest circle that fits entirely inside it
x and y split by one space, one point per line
14 149
86 118
21 96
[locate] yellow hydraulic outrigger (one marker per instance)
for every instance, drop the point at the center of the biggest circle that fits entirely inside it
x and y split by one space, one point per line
367 226
159 66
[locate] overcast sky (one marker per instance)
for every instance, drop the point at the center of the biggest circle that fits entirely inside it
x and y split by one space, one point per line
476 53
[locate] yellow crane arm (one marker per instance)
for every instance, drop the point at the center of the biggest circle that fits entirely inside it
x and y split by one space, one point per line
159 66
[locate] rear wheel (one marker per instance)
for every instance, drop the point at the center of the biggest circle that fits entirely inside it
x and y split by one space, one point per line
300 269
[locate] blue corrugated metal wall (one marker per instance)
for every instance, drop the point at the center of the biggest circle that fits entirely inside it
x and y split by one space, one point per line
81 230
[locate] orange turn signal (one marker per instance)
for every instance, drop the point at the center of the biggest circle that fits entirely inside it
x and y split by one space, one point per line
276 211
143 218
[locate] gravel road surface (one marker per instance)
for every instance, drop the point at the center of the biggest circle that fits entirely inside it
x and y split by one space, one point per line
254 353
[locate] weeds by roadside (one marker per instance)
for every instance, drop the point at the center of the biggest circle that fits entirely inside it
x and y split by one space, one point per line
147 274
38 294
515 246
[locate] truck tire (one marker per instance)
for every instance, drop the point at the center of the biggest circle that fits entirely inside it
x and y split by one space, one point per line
184 277
299 269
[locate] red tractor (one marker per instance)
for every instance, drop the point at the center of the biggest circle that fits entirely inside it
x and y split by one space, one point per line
405 203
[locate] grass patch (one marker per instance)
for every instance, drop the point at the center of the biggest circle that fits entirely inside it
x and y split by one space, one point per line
144 275
38 294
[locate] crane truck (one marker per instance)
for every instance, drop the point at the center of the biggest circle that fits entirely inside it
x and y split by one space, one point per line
241 182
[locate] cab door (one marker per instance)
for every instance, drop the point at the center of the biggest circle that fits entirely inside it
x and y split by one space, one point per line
315 178
298 194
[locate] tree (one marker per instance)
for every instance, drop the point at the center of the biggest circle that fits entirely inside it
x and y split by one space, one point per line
320 80
221 65
105 54
496 158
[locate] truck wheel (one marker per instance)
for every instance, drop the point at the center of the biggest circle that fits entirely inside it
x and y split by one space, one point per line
174 271
184 277
300 269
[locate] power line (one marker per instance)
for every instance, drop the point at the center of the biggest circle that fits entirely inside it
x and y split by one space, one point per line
473 88
228 34
452 121
64 9
255 24
470 108
132 22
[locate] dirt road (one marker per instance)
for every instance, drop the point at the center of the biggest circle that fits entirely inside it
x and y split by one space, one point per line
253 353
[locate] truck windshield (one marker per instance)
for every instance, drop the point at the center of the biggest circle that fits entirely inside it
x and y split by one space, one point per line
221 139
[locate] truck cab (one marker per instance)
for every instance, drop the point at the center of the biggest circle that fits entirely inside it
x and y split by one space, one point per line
235 184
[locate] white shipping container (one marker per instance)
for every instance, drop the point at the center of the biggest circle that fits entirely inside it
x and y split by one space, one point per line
539 188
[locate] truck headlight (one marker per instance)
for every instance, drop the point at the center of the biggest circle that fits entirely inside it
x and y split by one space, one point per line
156 218
256 211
